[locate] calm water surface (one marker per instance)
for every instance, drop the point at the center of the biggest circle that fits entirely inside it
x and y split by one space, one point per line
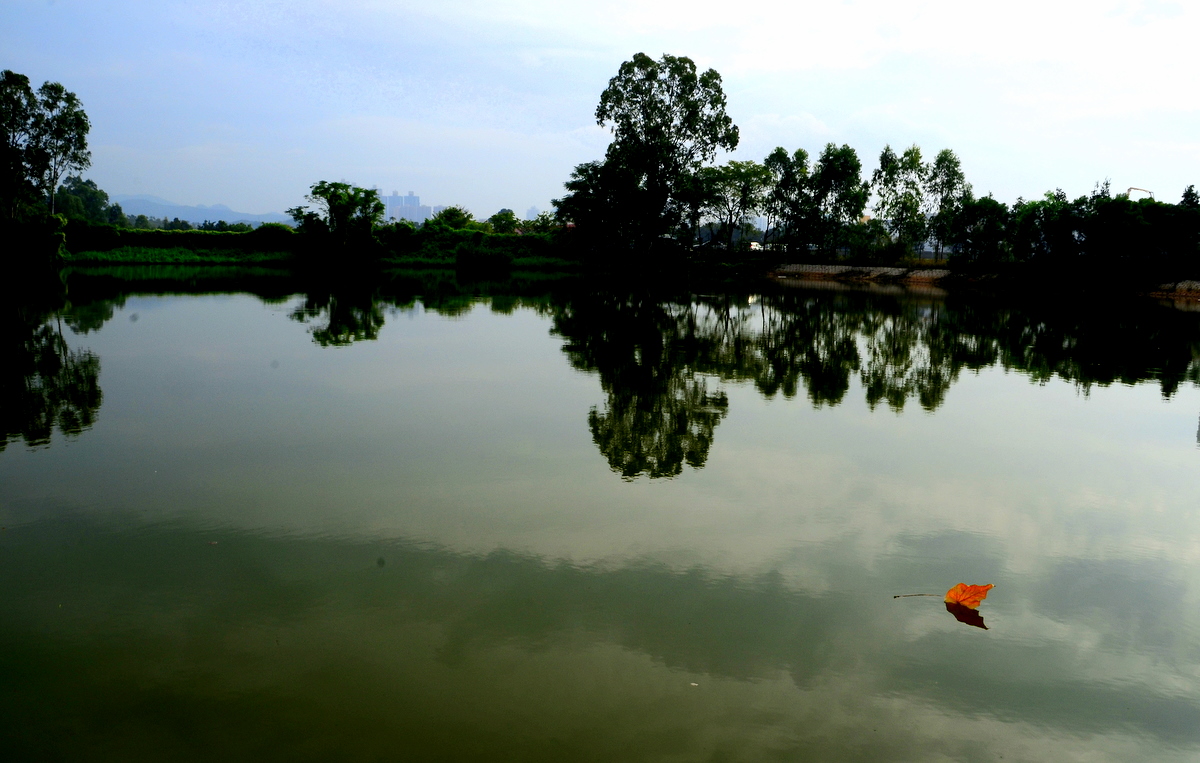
559 528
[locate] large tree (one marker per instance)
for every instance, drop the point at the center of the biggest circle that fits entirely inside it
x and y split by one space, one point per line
43 136
899 186
61 129
667 120
347 214
82 199
736 191
839 194
18 107
946 192
789 205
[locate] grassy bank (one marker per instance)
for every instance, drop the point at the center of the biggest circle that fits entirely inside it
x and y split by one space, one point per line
449 260
152 255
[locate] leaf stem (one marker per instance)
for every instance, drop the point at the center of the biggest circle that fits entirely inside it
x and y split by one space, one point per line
906 595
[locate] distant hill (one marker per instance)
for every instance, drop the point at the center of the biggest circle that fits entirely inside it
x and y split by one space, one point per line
153 206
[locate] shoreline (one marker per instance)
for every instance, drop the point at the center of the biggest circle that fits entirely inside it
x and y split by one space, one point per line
930 281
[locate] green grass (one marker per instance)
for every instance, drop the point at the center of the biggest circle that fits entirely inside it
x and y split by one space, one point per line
185 272
422 262
134 254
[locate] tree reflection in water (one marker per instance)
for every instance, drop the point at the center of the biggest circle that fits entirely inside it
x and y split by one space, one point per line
655 358
662 362
44 384
341 319
659 413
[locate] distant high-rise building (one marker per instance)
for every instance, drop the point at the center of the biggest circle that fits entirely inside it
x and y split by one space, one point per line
408 207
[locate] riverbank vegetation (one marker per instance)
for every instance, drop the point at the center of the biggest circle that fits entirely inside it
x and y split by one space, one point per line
657 202
150 255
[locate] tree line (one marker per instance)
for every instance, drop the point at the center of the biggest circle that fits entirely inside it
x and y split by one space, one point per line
658 198
343 222
658 193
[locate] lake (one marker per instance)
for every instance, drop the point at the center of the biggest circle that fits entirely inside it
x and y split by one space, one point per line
534 522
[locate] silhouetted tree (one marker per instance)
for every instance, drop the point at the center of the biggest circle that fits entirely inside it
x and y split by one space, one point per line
735 191
839 194
60 136
946 191
978 231
899 187
44 384
667 121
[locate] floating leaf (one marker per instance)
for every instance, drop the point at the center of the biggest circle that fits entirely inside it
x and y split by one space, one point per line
966 615
967 595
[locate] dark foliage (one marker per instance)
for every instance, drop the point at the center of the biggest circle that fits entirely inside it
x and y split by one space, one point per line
45 386
83 236
667 120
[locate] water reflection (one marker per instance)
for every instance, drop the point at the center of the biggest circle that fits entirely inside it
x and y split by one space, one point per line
965 615
659 413
661 362
416 552
338 320
653 357
45 385
270 645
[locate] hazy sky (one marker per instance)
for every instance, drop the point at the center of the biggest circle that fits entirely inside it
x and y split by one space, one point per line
491 104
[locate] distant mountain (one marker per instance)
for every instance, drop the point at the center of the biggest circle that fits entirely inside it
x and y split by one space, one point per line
153 206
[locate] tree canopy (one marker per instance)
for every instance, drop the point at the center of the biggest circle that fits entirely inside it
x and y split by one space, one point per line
667 120
345 215
43 135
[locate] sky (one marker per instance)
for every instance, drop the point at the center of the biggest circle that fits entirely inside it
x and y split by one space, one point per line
490 104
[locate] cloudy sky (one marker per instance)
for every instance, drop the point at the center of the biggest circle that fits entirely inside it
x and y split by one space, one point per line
490 104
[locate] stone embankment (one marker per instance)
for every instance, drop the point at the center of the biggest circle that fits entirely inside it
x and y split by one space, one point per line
1185 294
1181 289
862 273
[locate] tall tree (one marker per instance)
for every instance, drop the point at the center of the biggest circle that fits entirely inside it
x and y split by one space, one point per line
839 193
347 213
899 186
790 206
667 120
18 107
60 137
946 191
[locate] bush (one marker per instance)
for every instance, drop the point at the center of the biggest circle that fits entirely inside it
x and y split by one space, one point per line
474 257
178 254
83 236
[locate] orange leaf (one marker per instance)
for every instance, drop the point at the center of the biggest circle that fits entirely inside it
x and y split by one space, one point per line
968 595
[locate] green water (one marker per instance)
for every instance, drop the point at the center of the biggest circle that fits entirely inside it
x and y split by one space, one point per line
565 526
